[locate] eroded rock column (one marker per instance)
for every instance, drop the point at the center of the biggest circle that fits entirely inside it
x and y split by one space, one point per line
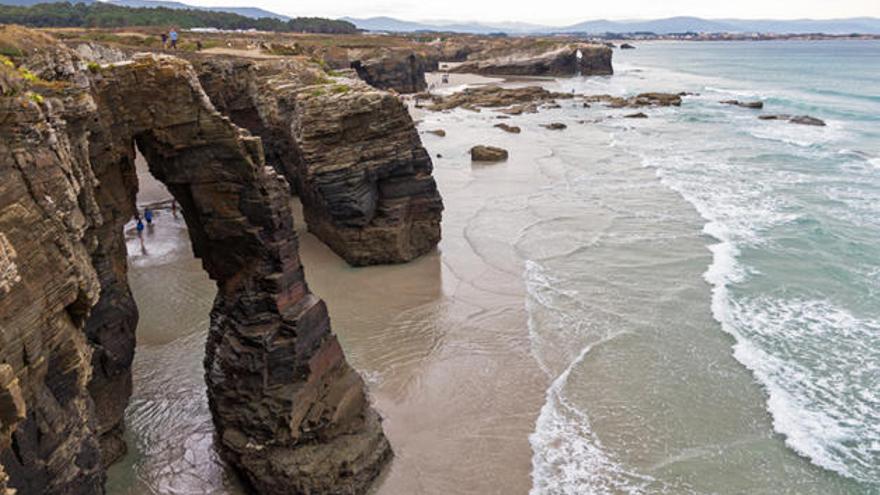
290 413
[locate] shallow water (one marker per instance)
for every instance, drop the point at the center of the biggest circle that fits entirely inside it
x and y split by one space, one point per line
681 304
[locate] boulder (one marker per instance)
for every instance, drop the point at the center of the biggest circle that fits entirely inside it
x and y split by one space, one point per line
639 115
437 132
554 126
509 128
627 46
488 154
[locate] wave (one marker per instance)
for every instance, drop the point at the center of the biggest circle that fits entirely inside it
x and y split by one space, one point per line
785 344
568 458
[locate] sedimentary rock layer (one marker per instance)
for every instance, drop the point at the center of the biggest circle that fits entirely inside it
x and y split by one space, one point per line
352 152
559 61
289 411
400 70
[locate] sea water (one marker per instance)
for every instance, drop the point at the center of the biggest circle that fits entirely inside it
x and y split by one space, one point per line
762 375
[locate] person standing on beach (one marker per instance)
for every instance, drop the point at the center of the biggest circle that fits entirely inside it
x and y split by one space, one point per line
148 216
173 36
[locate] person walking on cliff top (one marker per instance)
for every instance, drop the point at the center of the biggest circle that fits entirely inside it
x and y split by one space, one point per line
173 36
164 41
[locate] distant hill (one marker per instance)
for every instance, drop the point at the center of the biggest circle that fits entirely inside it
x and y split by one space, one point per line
107 14
861 25
252 12
659 26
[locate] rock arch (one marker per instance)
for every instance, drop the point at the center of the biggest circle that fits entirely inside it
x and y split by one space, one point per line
290 413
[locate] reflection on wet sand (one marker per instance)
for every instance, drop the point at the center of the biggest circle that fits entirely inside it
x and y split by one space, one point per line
442 342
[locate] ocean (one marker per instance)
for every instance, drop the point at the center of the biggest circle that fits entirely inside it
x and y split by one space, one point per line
644 398
686 303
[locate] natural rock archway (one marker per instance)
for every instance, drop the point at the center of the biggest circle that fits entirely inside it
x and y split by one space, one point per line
289 411
351 151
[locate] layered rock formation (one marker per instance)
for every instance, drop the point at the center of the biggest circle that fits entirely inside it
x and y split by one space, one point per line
558 61
290 413
400 70
496 96
353 152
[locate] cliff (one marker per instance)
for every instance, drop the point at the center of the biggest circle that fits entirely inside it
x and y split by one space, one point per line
289 412
400 70
351 151
558 61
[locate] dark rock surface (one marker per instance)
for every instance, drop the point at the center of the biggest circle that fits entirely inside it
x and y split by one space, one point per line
483 153
290 413
638 115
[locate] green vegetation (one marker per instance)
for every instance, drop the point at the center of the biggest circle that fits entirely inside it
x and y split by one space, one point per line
341 89
94 67
105 16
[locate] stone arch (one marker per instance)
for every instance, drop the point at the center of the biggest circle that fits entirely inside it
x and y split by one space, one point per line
280 391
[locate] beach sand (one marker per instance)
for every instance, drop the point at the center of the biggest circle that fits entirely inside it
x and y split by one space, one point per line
442 342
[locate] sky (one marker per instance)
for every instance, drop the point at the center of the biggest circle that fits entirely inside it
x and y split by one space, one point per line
562 12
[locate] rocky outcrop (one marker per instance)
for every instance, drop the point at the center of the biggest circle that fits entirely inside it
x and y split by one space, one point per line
496 96
365 179
638 101
795 119
757 105
400 70
483 153
290 413
353 152
558 61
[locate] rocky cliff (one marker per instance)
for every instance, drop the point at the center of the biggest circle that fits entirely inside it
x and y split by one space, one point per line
290 413
557 61
400 70
352 152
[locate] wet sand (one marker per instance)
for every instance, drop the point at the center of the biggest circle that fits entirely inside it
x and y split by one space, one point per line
442 342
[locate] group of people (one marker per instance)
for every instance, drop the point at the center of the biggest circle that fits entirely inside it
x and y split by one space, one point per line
169 39
148 218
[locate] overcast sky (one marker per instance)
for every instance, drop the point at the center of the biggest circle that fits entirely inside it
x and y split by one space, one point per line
561 12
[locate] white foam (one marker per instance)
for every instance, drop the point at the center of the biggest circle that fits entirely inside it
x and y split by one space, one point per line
568 458
785 343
